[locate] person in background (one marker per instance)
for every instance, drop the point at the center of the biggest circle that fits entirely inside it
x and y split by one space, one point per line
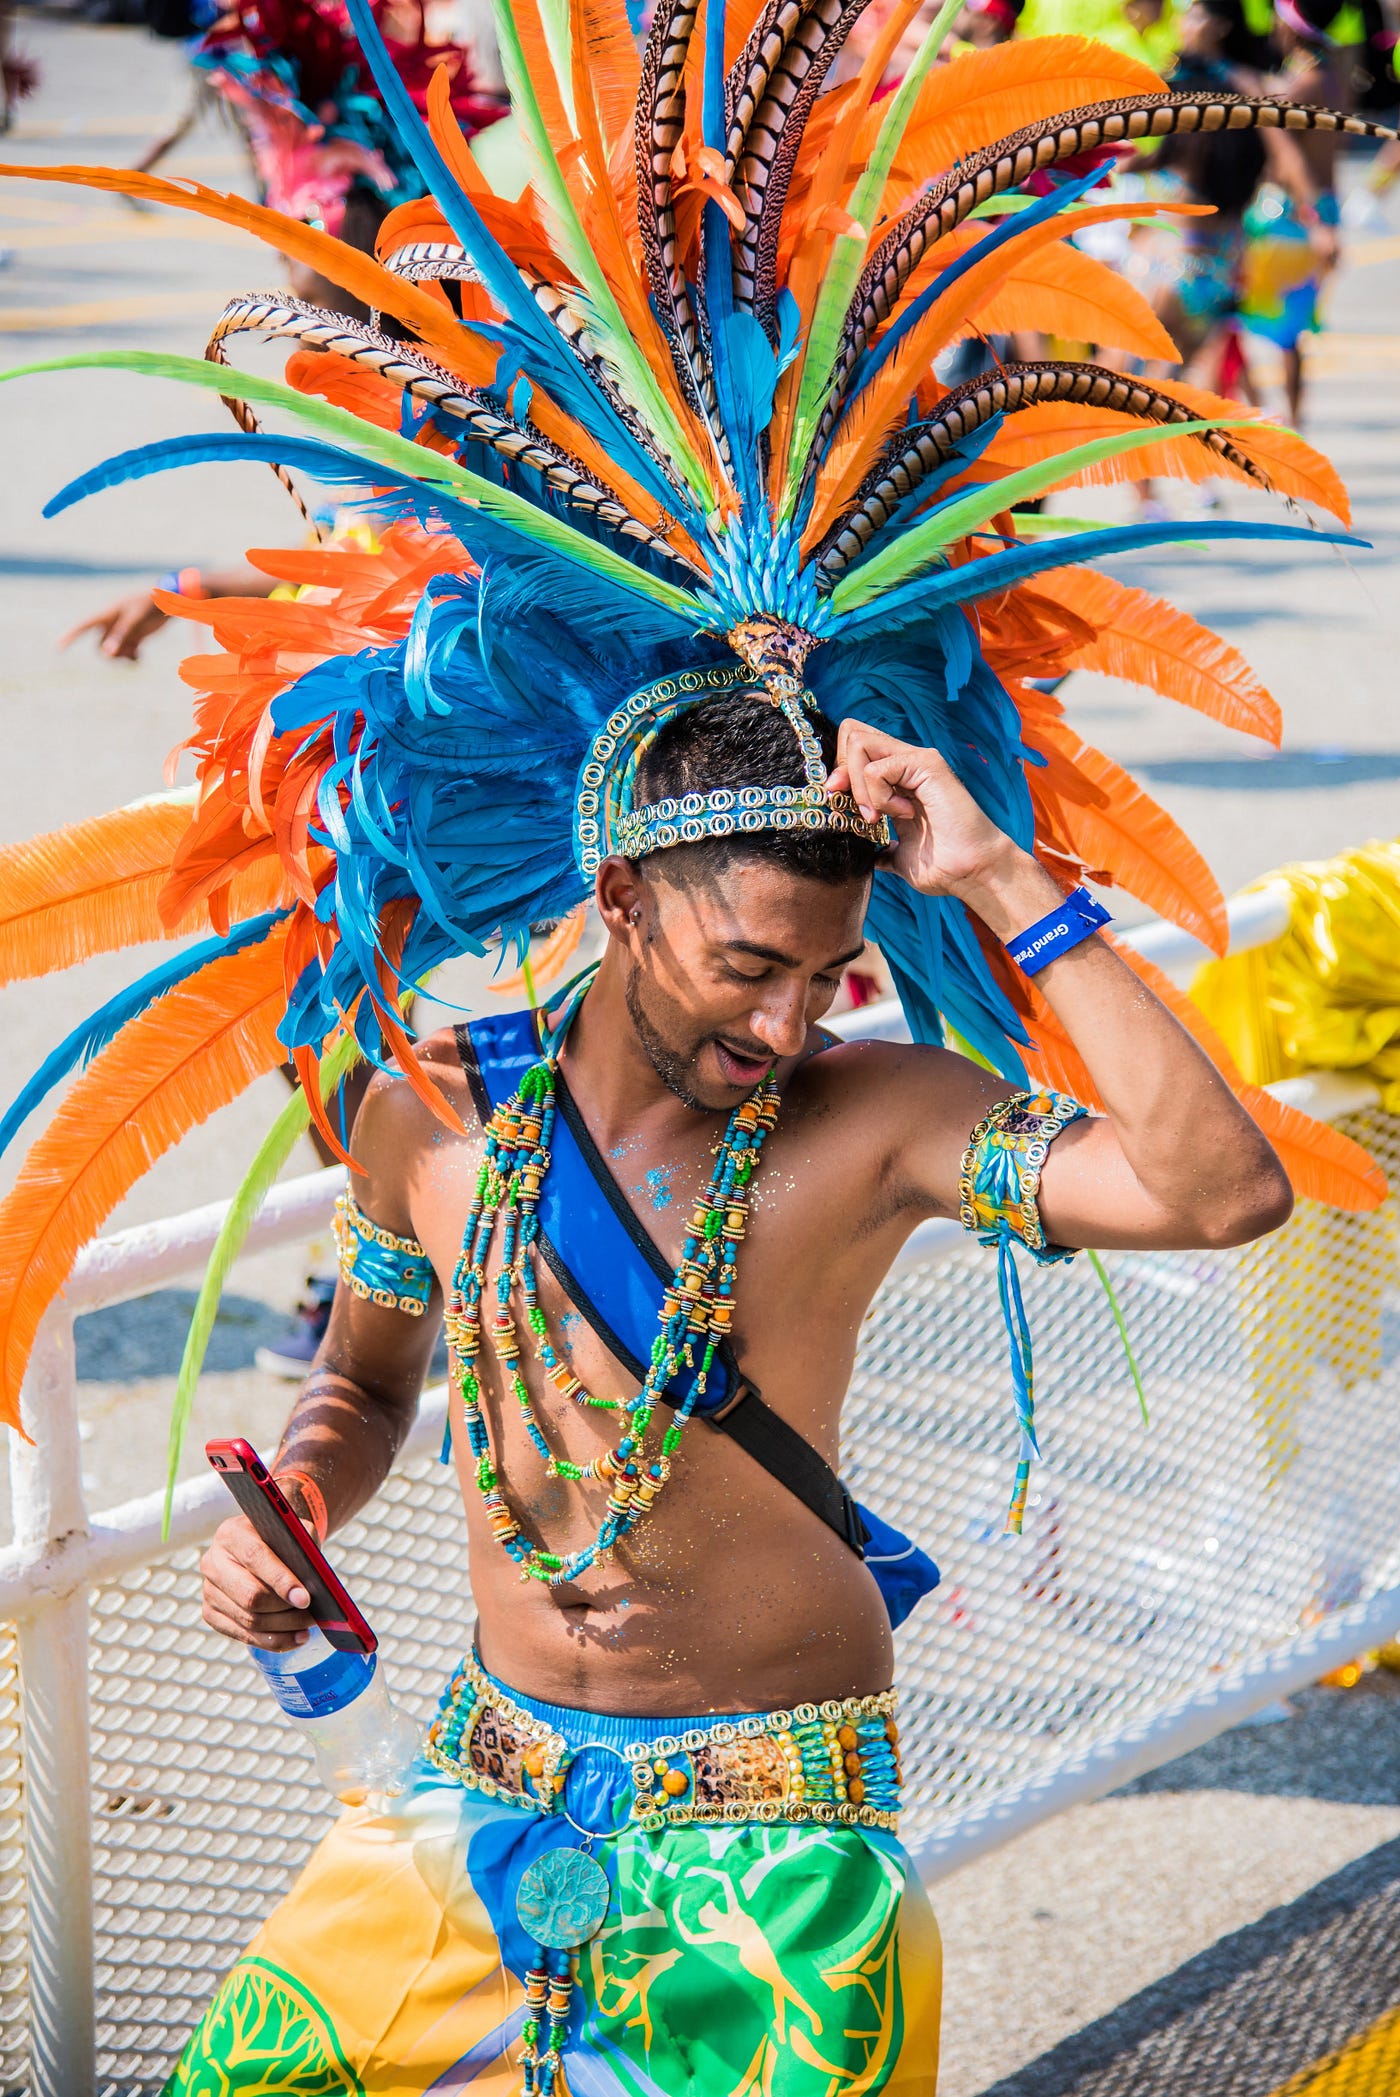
1284 270
289 75
19 76
984 23
1143 29
1197 297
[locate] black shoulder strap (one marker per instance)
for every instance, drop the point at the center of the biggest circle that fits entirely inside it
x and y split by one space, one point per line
624 1274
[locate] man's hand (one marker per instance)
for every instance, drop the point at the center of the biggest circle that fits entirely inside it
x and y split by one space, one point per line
947 845
249 1594
123 627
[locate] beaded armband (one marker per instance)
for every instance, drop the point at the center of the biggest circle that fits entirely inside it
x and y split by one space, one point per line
999 1179
393 1272
998 1186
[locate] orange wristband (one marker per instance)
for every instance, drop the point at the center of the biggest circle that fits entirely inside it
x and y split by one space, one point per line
312 1496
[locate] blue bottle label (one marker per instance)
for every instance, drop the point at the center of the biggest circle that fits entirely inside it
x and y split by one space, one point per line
318 1691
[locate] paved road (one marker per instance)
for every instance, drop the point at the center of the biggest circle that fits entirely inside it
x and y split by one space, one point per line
1085 1912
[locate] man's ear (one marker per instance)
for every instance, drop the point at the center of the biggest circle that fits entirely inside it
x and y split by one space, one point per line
623 899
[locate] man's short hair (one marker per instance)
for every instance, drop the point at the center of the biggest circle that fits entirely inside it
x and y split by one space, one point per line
737 740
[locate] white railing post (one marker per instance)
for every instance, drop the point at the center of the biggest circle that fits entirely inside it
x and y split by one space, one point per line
46 1490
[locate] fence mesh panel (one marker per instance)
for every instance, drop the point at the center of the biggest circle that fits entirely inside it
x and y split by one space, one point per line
14 2031
1260 1498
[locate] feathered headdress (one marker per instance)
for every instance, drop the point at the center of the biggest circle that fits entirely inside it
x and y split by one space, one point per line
676 429
316 126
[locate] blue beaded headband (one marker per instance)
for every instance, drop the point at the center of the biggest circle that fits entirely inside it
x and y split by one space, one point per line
605 819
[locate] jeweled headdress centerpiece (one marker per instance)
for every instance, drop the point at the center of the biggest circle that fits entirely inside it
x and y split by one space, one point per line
772 654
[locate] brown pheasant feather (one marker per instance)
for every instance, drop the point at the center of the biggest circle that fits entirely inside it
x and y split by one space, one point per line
1012 160
928 445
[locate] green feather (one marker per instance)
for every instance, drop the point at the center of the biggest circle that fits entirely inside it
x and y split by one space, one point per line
558 36
382 446
1102 1272
1052 525
925 541
605 322
849 250
271 1155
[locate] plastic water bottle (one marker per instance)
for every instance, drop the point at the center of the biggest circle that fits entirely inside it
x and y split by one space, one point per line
340 1702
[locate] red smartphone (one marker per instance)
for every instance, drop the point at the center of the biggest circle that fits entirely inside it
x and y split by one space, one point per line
283 1531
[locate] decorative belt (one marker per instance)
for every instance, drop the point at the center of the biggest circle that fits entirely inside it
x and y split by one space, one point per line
836 1762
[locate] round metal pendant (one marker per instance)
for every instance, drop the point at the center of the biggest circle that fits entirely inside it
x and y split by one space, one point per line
562 1899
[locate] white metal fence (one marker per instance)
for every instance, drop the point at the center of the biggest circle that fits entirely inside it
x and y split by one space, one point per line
1171 1579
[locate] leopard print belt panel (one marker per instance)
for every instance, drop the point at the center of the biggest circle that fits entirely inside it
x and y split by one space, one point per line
835 1762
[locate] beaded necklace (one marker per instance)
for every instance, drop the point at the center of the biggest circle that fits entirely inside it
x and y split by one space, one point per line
696 1312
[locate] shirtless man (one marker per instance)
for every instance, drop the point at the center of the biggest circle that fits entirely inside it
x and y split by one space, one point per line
721 962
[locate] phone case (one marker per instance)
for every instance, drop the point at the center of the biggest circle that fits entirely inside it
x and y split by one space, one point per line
258 1496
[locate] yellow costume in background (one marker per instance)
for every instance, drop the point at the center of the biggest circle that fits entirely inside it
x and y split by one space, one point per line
1324 996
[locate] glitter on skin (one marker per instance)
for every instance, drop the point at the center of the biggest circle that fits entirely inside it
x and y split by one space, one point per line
658 1185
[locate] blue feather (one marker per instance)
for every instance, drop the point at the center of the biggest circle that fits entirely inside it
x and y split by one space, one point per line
499 274
455 755
482 534
712 114
102 1026
949 586
746 374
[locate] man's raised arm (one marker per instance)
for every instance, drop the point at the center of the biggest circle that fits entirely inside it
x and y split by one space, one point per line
351 1414
1176 1160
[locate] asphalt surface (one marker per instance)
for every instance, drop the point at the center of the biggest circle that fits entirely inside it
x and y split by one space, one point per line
1079 1918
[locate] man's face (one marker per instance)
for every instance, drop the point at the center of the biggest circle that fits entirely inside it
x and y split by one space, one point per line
730 967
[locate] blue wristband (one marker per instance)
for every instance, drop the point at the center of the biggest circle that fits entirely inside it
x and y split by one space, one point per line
1077 918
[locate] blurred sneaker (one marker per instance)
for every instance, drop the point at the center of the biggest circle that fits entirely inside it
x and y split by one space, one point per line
293 1354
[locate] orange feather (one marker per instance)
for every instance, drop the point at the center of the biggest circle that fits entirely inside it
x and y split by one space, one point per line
451 141
1062 291
544 80
1149 642
1293 466
740 20
346 384
598 206
86 889
862 430
1110 822
190 1053
606 52
1322 1164
353 271
94 887
984 95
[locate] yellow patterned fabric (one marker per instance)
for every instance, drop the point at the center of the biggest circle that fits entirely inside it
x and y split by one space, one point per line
1326 995
758 1959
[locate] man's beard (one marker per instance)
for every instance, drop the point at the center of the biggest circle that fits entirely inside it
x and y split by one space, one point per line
676 1072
